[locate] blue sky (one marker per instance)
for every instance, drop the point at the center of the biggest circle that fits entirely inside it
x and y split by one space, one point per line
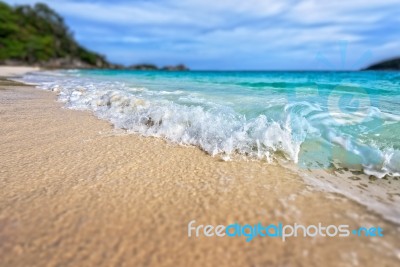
237 34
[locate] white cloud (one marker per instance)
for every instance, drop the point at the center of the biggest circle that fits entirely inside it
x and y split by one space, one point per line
231 28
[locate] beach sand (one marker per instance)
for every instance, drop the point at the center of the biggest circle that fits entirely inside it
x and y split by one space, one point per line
75 192
12 71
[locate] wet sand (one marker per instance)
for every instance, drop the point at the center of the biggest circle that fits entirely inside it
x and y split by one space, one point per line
75 192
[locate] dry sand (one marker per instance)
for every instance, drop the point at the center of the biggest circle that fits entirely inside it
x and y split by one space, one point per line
76 193
11 71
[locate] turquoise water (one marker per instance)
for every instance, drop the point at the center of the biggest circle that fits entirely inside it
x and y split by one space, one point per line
314 119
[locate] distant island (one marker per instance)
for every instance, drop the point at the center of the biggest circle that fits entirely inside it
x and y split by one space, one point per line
179 67
37 36
391 64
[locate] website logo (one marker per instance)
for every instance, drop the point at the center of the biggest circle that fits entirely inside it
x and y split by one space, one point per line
280 230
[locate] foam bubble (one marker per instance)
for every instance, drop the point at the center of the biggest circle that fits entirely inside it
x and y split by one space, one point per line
190 118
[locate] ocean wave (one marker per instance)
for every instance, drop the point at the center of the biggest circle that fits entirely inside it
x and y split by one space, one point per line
189 119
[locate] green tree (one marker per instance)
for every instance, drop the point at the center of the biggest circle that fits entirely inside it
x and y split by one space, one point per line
37 34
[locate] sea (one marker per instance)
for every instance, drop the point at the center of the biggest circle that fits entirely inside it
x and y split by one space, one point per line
314 119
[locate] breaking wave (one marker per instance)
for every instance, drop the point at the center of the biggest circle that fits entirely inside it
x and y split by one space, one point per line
303 132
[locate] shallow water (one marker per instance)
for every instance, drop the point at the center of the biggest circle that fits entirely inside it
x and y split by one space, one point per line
314 119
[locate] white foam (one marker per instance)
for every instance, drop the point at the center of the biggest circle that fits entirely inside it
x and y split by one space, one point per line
215 128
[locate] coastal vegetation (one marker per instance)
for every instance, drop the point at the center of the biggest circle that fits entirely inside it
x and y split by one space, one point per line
37 35
391 64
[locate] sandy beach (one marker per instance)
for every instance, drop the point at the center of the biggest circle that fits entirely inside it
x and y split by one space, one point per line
13 71
76 192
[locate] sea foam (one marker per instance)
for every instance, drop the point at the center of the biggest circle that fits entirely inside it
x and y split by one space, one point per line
189 117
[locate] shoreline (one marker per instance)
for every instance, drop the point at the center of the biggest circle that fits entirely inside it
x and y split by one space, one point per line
378 195
77 192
